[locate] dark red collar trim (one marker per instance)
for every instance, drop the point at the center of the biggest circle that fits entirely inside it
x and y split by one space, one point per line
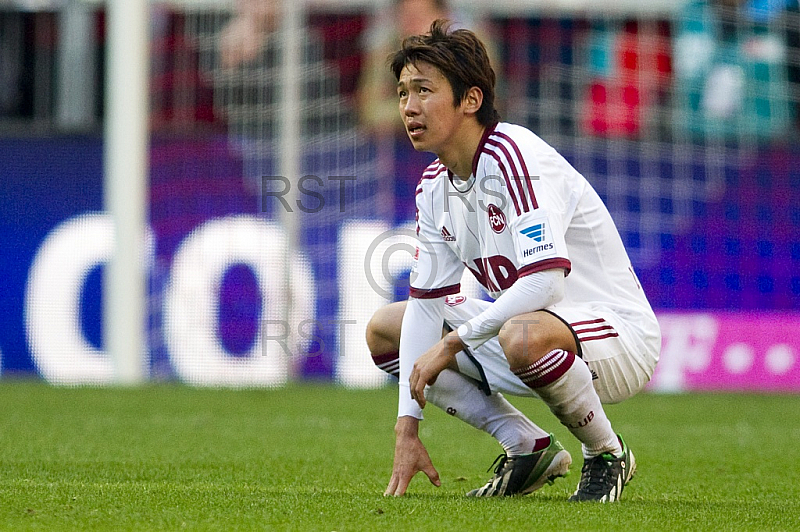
488 131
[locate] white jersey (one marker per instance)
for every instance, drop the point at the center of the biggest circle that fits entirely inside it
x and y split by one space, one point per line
524 209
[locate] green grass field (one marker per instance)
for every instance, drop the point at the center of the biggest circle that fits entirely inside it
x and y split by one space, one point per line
316 457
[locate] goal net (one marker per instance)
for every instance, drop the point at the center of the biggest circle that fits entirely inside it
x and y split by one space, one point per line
655 106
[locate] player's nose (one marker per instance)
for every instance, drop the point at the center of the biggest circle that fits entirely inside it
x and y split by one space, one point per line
411 106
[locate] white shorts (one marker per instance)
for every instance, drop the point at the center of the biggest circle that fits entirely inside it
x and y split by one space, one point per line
621 357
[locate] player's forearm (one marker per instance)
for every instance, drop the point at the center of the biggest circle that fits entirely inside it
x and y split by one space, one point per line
422 328
529 294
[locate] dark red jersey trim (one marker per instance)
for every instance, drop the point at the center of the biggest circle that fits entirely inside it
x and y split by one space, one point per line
547 264
601 337
595 329
433 293
517 176
431 172
587 322
525 175
496 157
475 158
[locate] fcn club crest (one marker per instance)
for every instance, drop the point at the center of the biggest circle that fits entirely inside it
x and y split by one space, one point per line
497 220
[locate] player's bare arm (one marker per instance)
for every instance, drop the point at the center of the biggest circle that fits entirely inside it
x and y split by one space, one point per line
410 457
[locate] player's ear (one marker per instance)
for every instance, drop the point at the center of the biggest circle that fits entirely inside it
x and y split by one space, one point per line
472 101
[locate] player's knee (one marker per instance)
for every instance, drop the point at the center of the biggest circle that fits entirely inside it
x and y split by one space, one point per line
383 330
379 337
382 347
527 338
383 337
522 344
375 336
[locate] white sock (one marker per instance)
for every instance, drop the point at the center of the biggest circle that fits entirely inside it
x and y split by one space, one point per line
458 395
564 383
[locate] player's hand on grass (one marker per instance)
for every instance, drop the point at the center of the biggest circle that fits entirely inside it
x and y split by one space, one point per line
427 367
410 457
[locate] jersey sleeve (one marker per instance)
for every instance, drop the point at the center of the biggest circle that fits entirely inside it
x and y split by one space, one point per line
436 270
421 329
536 203
531 293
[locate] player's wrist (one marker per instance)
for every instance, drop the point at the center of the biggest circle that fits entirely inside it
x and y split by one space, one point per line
406 426
453 343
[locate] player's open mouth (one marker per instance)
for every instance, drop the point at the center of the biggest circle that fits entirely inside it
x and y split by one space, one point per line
415 130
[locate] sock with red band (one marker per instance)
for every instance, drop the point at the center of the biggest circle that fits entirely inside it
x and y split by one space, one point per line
460 397
388 362
564 383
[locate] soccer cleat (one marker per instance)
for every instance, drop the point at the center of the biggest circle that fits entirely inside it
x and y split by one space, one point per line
603 477
526 473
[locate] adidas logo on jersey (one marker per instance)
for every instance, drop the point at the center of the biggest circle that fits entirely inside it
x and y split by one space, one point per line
446 236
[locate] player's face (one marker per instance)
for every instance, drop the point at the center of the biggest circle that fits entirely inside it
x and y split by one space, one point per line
426 107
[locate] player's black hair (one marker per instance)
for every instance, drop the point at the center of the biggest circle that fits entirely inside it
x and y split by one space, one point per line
460 56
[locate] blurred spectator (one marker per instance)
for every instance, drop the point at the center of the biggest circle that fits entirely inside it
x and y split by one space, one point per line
630 67
243 38
376 95
181 94
731 69
377 92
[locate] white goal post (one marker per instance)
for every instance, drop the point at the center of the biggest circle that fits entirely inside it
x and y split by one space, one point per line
126 139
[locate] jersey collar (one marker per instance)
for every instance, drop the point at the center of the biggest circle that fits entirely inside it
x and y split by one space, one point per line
475 158
488 131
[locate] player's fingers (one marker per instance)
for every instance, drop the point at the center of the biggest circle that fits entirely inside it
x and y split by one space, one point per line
433 475
412 381
416 385
402 484
392 486
421 397
418 391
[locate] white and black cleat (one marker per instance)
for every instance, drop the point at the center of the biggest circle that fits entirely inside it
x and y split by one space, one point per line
603 477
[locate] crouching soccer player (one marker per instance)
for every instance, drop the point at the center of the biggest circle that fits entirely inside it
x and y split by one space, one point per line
570 323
